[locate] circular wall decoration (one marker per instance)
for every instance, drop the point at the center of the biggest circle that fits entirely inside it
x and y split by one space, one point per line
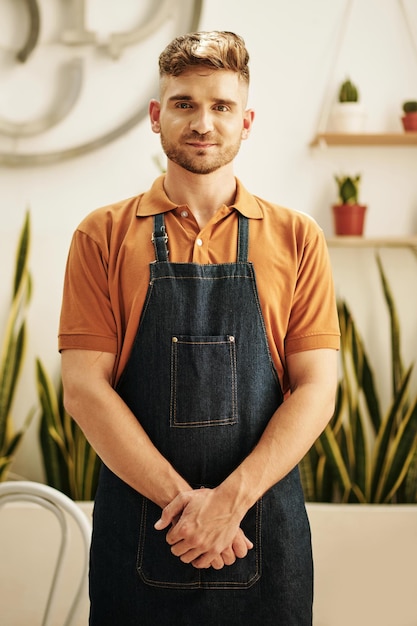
79 75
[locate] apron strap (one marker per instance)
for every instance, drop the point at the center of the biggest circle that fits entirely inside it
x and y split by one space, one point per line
243 238
160 238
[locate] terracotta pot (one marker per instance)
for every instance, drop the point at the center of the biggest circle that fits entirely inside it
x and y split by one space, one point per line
409 121
349 219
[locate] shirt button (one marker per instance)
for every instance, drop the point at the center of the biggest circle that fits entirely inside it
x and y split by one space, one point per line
184 213
199 242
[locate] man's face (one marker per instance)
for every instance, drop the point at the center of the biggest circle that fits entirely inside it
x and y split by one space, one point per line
201 118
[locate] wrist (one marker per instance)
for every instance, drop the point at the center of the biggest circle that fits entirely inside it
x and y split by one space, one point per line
172 485
236 495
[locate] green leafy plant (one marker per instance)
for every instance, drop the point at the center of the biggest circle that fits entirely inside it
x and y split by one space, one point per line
348 92
348 189
410 106
12 352
364 456
71 465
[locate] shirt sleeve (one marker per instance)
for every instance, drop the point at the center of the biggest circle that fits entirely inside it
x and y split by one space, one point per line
87 321
313 321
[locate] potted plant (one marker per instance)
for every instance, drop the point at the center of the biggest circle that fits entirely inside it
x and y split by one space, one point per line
348 115
348 213
365 455
409 118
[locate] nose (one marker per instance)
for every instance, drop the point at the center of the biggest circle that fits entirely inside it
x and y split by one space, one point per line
202 122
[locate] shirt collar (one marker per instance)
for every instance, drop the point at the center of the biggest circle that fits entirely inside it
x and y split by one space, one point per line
156 201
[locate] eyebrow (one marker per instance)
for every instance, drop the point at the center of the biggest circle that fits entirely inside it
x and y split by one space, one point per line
188 98
179 97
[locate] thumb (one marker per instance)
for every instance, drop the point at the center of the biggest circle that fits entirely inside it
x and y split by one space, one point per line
169 513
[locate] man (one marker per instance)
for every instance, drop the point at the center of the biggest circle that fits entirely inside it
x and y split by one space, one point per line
176 360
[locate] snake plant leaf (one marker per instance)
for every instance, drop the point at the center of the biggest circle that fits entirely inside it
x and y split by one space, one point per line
48 397
22 256
324 480
370 394
12 352
53 461
71 465
11 355
397 368
385 436
361 470
4 466
49 405
308 472
9 450
351 438
353 348
88 467
399 456
332 451
408 489
10 369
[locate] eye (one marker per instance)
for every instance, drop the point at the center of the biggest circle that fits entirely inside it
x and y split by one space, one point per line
183 105
221 107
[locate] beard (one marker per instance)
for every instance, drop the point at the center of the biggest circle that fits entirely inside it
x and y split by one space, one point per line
201 162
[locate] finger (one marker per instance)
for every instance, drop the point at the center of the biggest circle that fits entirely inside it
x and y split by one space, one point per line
217 563
241 545
191 556
228 556
180 549
180 533
205 561
248 543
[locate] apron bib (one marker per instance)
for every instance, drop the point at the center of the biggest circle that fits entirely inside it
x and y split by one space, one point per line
201 381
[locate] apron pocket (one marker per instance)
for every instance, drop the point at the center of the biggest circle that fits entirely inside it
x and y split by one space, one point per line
158 567
203 381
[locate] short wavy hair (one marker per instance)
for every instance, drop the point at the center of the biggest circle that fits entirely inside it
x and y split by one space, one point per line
221 50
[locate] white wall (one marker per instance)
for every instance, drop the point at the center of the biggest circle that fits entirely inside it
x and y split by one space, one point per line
292 46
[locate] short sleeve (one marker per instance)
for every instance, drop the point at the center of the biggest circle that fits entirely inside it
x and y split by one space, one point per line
313 321
87 321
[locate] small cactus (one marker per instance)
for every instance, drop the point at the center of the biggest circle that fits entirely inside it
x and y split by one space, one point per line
348 189
348 92
410 106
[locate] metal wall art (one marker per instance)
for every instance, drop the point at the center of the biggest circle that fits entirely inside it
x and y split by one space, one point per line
75 76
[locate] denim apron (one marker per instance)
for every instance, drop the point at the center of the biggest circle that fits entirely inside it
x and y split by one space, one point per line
201 381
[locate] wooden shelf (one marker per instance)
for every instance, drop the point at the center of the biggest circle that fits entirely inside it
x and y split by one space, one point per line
375 242
365 139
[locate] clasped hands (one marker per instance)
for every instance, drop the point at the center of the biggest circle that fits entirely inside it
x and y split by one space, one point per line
205 531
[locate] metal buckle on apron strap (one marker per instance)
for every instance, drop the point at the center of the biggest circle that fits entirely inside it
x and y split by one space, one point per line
163 235
160 239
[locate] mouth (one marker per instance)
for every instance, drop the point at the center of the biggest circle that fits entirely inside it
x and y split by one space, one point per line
200 145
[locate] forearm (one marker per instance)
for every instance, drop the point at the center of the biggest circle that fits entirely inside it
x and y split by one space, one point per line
118 438
291 432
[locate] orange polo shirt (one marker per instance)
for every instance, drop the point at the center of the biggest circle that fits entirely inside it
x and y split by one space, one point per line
107 274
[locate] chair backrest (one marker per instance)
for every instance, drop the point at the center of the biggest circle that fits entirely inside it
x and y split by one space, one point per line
64 510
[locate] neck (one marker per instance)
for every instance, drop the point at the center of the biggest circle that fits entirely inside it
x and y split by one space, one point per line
204 194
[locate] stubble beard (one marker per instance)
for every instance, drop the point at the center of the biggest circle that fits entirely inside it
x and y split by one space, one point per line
200 163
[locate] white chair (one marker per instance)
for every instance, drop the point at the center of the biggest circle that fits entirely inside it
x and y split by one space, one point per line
64 509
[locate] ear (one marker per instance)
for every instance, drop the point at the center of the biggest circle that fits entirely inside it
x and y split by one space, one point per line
248 117
154 114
